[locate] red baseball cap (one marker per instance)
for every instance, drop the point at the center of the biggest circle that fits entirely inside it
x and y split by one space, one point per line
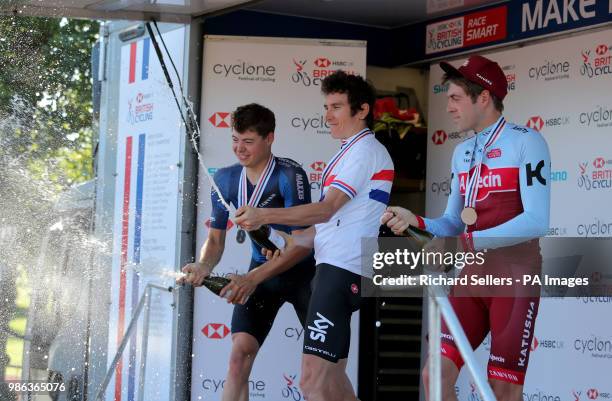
481 71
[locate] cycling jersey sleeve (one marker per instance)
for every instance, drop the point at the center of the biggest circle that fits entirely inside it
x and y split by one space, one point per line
449 224
294 188
534 183
219 215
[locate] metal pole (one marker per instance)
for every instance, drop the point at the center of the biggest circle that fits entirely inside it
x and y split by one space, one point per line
461 340
435 369
145 342
125 340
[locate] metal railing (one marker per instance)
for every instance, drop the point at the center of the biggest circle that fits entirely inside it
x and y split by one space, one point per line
143 303
439 306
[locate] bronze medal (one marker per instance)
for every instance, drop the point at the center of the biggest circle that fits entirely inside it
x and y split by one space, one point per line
469 216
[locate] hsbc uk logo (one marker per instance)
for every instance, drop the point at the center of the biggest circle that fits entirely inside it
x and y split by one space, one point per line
546 344
220 119
215 331
596 174
311 74
440 136
322 62
601 117
596 61
538 122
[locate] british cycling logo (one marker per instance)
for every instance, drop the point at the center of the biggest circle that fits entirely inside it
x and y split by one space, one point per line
245 71
320 68
140 108
291 390
595 175
596 61
600 117
314 123
315 173
510 76
595 346
550 70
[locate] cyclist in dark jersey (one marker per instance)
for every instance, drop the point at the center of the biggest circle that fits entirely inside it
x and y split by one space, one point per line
262 180
505 209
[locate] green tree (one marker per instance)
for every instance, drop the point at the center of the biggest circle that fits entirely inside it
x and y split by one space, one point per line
45 96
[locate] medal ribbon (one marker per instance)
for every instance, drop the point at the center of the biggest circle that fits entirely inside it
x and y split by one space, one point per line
471 191
259 188
340 154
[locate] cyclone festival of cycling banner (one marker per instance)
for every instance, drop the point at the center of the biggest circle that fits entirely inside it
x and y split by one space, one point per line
145 217
285 76
560 88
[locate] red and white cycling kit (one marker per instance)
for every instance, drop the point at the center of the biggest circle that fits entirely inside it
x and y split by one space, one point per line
513 206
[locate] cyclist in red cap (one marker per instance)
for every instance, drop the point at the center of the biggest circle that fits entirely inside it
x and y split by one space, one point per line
500 200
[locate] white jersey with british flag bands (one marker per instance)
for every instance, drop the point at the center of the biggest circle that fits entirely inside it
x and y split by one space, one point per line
513 198
363 170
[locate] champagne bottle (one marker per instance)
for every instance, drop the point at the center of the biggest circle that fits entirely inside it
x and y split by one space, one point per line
420 236
266 237
216 283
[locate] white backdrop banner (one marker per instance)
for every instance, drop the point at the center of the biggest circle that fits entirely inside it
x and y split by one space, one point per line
285 76
145 216
562 89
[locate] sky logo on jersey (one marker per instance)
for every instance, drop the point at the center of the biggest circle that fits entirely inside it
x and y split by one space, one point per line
215 331
596 61
504 179
220 119
139 57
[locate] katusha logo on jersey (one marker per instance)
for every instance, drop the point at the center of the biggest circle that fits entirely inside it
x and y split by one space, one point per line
595 175
504 179
221 119
215 331
140 108
599 116
315 173
538 122
596 61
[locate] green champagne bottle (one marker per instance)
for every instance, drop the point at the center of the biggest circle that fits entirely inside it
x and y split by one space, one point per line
216 283
267 237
